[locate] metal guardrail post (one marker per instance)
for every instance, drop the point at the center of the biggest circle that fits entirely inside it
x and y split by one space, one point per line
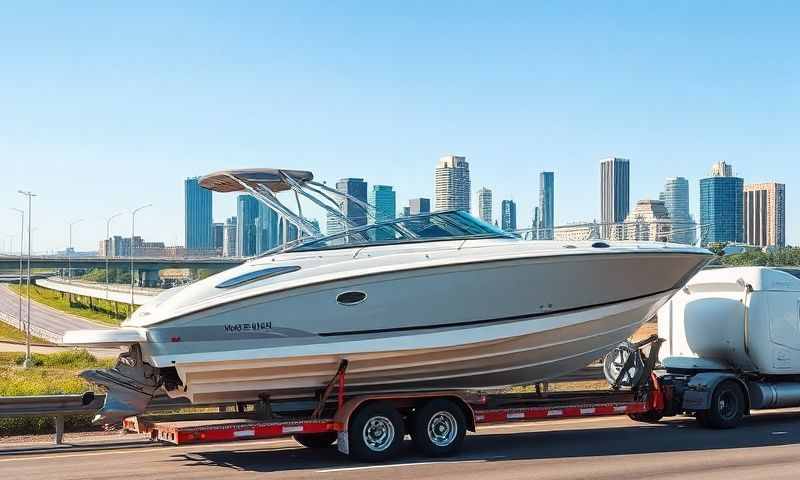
58 437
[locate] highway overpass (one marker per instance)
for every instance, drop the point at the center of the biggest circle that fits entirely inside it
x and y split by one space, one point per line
8 262
145 269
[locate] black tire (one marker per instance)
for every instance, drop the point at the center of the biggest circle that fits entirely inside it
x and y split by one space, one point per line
315 440
376 432
727 407
438 428
651 416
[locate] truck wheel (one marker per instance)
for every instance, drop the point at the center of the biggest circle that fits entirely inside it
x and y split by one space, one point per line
438 428
376 432
315 440
727 407
650 416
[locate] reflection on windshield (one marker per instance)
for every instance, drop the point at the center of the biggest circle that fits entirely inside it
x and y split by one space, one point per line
435 226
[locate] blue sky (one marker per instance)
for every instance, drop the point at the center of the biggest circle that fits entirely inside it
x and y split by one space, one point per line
106 105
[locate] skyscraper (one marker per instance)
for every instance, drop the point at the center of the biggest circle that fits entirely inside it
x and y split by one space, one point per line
614 193
676 199
357 188
453 187
721 207
247 210
197 218
229 238
384 199
509 215
721 169
268 232
485 205
765 214
219 234
536 223
546 205
420 205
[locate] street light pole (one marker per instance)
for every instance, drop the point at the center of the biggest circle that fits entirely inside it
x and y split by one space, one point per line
108 245
21 242
69 252
133 225
28 362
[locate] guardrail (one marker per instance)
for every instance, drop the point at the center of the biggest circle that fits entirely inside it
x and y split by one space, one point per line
40 332
60 406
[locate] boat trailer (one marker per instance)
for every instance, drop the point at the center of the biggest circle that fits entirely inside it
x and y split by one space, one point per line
371 427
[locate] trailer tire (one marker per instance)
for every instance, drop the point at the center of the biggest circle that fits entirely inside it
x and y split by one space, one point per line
376 432
651 416
315 440
727 407
438 428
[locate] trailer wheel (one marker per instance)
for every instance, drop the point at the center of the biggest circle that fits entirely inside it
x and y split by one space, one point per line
438 428
650 416
376 432
727 407
315 440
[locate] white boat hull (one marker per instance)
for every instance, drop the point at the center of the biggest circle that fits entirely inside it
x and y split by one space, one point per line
525 351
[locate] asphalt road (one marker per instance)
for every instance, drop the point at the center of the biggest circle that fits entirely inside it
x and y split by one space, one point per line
43 316
766 446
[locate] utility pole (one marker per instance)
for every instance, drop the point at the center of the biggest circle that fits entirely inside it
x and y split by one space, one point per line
69 253
108 244
28 361
133 225
21 243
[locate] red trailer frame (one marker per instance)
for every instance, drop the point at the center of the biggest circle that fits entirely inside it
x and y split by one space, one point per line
642 399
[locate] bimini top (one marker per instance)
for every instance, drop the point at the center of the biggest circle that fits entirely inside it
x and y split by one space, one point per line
270 178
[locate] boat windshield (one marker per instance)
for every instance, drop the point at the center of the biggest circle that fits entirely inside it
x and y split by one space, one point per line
451 225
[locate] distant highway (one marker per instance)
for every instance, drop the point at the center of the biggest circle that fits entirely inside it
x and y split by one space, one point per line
765 446
43 316
11 263
116 294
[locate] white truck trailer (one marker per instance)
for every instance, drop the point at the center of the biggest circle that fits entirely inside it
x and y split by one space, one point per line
731 344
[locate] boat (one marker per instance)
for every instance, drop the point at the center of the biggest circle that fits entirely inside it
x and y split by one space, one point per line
427 302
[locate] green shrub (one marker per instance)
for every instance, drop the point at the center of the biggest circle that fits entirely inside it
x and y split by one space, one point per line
43 425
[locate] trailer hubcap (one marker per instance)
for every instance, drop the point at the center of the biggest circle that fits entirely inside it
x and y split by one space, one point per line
378 433
442 428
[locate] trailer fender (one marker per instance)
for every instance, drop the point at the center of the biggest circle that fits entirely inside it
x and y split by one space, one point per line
700 388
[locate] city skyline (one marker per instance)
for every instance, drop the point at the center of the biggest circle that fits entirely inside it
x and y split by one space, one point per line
109 132
264 236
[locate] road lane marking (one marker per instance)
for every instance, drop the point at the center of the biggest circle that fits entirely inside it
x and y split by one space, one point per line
165 448
393 465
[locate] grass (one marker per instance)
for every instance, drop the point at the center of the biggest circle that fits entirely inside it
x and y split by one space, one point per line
51 374
11 334
100 310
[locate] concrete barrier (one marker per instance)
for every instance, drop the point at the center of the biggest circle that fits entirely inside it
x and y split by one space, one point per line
139 298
